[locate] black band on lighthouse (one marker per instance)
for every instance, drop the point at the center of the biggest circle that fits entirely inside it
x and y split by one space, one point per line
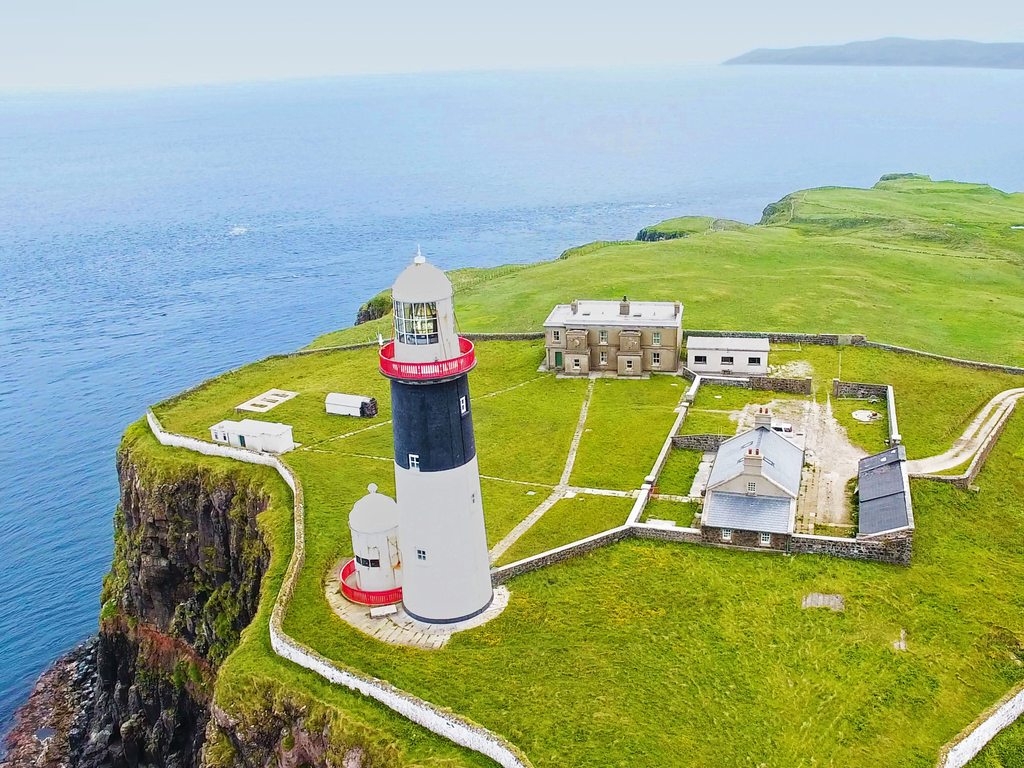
433 422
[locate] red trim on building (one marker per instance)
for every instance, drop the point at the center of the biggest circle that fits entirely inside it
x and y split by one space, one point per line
363 597
420 371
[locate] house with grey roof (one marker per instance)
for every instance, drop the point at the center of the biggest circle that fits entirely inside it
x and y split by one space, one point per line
752 491
883 493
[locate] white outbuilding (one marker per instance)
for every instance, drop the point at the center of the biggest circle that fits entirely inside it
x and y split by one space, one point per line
264 436
373 523
727 356
351 405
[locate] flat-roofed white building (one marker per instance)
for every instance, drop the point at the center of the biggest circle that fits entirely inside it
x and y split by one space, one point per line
727 356
624 337
264 436
350 405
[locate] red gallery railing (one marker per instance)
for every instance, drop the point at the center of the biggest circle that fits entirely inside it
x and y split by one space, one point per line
391 367
363 597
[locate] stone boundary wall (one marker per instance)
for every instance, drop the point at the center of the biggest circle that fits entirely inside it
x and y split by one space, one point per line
699 442
951 360
966 746
857 389
966 479
894 548
725 381
681 535
559 554
795 386
451 726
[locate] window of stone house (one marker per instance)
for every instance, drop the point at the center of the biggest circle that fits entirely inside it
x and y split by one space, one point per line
753 361
604 358
656 340
629 365
766 539
727 534
726 361
556 336
575 363
602 336
751 487
655 359
700 359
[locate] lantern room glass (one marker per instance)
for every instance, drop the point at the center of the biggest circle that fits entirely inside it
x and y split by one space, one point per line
415 322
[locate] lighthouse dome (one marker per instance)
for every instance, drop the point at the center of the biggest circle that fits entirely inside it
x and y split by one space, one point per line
374 513
422 282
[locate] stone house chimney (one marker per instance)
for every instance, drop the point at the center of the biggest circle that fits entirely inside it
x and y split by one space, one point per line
763 418
624 307
575 306
678 309
752 462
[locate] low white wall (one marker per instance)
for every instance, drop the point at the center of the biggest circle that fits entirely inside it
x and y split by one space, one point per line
970 743
447 724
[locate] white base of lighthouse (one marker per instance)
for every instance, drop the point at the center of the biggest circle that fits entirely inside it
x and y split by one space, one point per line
443 543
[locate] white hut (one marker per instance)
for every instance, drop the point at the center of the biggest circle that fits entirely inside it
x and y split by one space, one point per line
350 405
264 436
373 523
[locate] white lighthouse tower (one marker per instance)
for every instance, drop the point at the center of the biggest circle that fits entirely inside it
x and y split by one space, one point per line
446 568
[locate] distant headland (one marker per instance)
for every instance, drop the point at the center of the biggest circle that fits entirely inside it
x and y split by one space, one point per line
894 52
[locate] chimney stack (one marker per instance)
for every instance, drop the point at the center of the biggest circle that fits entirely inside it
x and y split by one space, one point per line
763 418
752 462
679 308
575 306
624 306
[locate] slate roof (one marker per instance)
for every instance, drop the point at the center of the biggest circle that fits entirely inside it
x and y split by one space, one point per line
884 492
783 461
642 314
766 514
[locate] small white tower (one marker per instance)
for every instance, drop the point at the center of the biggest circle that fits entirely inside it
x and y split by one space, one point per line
373 522
441 518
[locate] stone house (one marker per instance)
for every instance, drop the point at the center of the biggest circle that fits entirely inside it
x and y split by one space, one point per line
752 491
626 338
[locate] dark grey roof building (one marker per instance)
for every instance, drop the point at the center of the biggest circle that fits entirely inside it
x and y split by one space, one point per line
883 489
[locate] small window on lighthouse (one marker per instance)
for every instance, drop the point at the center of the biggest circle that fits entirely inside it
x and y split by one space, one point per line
414 462
375 563
421 554
462 405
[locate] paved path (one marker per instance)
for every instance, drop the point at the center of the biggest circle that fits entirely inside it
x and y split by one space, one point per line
400 628
987 420
560 490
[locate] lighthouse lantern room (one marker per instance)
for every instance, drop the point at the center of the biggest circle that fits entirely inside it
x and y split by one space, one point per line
443 542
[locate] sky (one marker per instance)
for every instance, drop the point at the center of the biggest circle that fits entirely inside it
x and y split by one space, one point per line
113 44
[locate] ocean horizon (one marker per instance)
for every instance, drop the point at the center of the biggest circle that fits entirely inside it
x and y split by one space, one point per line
150 239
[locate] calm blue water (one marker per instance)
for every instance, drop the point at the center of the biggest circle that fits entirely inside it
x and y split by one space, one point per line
150 240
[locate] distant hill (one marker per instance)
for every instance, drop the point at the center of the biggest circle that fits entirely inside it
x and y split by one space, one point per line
894 52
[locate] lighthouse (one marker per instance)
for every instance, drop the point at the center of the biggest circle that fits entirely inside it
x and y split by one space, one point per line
445 563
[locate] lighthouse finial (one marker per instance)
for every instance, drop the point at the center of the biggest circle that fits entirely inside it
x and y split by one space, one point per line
420 258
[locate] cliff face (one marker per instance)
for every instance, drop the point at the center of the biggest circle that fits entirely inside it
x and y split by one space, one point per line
185 581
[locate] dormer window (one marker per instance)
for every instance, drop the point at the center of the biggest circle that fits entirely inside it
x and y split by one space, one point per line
415 323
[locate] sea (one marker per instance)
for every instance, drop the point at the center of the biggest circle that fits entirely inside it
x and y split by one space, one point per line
151 239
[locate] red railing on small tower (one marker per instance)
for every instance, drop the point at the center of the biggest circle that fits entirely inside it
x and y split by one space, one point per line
363 597
437 370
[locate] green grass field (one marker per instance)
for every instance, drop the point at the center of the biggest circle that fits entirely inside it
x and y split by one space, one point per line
677 475
648 653
834 260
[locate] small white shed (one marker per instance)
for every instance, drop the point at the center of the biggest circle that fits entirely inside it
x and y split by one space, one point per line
264 436
727 356
351 405
373 523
